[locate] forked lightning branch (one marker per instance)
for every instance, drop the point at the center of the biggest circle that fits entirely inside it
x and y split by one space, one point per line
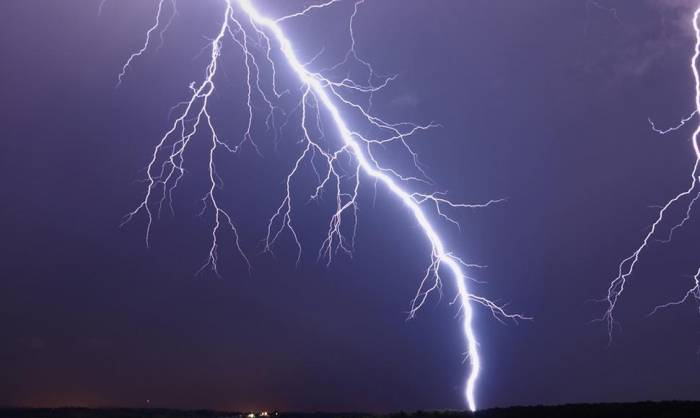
344 158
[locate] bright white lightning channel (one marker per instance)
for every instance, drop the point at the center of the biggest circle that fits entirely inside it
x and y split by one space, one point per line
262 42
688 198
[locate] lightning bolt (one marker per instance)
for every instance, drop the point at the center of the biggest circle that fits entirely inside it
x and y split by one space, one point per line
338 166
687 197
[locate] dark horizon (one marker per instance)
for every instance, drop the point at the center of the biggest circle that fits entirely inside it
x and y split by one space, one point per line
677 409
544 103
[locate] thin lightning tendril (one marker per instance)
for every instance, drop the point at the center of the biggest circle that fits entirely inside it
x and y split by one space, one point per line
672 128
694 292
149 34
319 94
611 10
100 7
691 195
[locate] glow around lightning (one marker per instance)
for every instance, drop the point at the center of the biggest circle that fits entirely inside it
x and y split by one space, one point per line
687 198
339 166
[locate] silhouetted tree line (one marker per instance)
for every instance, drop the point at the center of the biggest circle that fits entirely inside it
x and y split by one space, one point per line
678 409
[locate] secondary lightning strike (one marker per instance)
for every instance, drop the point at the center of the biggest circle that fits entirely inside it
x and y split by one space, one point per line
319 93
627 266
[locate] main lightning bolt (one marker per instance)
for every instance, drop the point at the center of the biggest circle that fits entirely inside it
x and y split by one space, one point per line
265 47
688 198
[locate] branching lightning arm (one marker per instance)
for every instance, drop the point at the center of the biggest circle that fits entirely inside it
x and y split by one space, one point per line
688 198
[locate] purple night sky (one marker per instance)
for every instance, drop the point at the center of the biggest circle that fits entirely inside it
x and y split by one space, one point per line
543 102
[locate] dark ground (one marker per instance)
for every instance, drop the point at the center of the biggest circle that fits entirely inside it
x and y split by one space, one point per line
621 410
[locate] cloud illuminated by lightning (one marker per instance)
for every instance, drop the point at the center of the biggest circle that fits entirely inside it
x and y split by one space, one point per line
338 166
688 198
